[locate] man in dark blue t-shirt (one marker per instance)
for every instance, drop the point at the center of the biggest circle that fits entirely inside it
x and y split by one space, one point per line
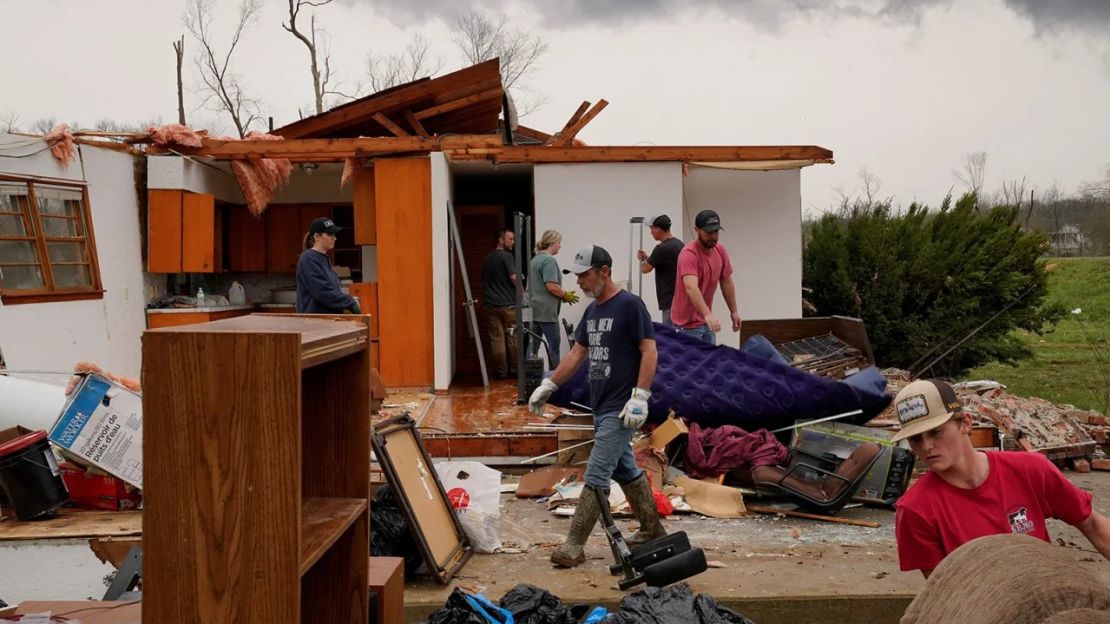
616 336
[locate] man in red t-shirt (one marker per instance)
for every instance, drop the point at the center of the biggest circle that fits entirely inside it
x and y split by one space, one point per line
968 493
702 265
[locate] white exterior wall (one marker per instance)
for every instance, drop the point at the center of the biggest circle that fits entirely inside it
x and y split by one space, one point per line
54 336
591 203
442 301
761 213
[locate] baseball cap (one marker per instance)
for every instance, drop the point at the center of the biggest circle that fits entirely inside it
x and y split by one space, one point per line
320 225
662 222
588 258
708 220
924 405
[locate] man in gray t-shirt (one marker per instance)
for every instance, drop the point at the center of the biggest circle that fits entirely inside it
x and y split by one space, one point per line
546 293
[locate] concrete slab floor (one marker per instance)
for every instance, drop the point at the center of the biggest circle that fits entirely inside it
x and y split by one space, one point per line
773 570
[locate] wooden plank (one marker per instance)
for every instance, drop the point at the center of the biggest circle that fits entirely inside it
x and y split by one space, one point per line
323 522
462 102
157 320
309 149
389 125
403 198
365 212
809 516
74 523
87 611
222 534
570 122
387 579
568 134
247 240
164 231
112 550
200 234
641 153
406 95
417 127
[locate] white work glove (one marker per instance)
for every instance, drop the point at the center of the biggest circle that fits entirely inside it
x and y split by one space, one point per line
635 412
541 395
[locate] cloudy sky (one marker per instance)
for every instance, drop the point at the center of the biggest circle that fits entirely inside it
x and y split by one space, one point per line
902 88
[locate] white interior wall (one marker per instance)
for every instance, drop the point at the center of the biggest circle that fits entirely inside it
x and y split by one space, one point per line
442 301
591 203
56 335
761 213
320 185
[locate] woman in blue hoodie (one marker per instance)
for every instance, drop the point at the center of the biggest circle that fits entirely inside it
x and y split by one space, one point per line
318 290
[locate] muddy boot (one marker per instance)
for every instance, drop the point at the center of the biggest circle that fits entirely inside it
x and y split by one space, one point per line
639 496
585 517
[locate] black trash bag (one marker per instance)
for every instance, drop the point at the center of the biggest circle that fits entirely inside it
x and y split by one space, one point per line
675 604
460 609
531 605
389 533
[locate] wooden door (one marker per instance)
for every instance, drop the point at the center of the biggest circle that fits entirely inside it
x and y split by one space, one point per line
478 227
284 238
201 242
163 231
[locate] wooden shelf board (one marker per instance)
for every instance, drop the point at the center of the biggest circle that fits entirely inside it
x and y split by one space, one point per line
322 339
323 520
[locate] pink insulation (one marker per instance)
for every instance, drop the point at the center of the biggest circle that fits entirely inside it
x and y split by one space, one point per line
260 178
62 145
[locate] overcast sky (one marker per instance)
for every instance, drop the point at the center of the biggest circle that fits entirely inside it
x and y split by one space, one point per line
900 87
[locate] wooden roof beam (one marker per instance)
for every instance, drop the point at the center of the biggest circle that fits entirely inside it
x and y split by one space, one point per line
417 127
462 102
570 122
327 149
389 125
640 153
569 133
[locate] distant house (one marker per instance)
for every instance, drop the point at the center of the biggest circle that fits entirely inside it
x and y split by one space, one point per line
1070 241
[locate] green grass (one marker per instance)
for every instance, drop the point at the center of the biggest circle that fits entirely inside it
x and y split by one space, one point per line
1064 367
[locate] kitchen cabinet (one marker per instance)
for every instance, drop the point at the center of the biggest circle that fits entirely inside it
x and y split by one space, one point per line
286 227
246 240
186 316
183 232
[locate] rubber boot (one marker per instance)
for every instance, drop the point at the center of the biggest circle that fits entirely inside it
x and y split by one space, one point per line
639 496
585 517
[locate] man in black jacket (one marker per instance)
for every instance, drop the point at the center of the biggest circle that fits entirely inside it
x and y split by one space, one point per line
318 290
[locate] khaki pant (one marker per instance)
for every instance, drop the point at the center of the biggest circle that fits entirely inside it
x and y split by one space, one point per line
499 321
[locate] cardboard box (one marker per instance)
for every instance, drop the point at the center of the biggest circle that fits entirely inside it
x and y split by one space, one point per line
889 476
11 433
97 491
101 424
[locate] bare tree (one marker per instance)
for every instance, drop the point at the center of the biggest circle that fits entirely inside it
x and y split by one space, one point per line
43 125
971 173
871 185
1097 190
318 52
9 122
417 61
480 37
179 50
224 90
1013 192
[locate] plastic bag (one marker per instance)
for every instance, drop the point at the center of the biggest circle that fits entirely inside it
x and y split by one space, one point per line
531 605
474 490
675 604
389 533
464 608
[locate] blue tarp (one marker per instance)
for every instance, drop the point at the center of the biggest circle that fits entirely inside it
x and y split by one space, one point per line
719 385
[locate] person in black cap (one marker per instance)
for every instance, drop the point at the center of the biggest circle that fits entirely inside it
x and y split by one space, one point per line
318 290
702 265
617 337
664 261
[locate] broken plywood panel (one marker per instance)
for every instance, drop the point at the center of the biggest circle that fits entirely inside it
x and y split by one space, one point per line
75 523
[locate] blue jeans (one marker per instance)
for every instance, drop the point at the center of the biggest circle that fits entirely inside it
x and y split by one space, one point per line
611 457
667 317
703 332
550 333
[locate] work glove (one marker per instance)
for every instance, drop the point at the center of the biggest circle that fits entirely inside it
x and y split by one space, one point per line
570 296
635 412
541 395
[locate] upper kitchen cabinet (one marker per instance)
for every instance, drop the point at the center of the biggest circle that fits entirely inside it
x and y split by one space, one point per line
183 232
246 240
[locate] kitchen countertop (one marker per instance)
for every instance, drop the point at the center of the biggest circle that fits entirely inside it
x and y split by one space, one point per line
204 309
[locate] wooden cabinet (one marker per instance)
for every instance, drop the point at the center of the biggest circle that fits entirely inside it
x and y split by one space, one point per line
183 232
154 320
246 240
365 218
255 444
286 227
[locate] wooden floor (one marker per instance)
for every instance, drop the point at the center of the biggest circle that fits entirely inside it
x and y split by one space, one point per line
73 523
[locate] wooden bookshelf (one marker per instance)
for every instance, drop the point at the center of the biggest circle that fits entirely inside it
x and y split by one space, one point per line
256 437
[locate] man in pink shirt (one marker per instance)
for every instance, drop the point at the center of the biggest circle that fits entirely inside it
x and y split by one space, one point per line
702 265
